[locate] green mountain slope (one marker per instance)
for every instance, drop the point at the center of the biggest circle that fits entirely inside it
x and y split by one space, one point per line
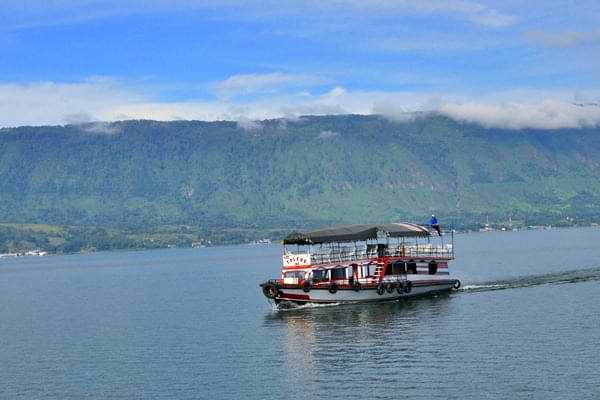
286 174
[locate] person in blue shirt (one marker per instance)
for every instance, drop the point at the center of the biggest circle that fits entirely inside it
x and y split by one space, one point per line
435 224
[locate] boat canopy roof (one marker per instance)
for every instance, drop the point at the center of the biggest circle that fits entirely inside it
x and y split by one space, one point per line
349 233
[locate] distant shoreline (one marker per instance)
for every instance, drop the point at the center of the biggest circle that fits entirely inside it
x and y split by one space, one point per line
41 252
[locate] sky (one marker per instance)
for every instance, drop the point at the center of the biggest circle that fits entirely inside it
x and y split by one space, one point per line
509 64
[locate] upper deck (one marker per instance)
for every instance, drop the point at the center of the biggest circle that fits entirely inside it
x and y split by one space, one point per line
366 243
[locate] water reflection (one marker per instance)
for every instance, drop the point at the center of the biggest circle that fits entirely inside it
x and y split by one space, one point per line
362 316
323 342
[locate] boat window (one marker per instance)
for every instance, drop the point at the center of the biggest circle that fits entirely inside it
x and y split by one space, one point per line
294 274
433 268
319 275
389 270
411 268
370 269
373 269
365 271
399 268
338 273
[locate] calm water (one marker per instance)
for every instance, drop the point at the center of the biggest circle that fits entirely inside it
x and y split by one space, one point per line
193 324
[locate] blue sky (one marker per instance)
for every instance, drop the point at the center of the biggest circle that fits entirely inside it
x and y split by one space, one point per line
504 64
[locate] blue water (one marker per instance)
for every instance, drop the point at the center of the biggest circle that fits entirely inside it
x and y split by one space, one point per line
193 324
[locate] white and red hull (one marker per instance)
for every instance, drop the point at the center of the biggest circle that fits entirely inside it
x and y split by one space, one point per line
420 285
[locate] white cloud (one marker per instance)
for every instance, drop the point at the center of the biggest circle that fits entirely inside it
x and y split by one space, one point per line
250 84
77 118
434 42
56 103
548 114
168 111
472 11
493 18
100 99
249 125
23 15
101 128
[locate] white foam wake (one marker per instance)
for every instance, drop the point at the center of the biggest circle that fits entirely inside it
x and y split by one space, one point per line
555 278
480 287
288 306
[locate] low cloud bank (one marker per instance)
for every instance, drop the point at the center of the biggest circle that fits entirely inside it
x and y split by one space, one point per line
548 114
50 103
249 125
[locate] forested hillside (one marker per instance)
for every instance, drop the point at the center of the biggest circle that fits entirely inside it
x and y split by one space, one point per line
282 174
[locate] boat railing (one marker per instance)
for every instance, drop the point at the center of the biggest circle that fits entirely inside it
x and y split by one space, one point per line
366 280
416 250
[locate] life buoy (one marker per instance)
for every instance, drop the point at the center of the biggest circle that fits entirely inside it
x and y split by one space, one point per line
389 287
356 286
408 287
270 290
380 288
306 286
456 284
333 288
400 288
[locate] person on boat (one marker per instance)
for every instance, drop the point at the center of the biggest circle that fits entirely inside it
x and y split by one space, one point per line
435 224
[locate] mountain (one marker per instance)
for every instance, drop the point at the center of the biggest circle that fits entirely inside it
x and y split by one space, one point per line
286 174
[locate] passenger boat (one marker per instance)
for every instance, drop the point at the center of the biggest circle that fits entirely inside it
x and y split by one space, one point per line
362 263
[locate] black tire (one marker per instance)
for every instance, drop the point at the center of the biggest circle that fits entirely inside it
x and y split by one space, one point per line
333 288
306 286
356 286
389 287
400 288
270 290
408 287
380 289
456 284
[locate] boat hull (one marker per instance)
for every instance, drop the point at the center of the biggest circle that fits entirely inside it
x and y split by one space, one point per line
365 295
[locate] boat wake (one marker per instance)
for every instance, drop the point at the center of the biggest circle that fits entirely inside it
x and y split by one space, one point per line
289 306
558 278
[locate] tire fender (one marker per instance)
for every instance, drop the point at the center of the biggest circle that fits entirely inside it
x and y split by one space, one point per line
389 287
333 288
270 290
306 286
400 288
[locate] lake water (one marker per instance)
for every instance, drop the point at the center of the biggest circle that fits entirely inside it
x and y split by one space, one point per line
193 324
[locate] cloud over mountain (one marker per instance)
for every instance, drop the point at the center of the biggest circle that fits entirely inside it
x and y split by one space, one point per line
104 99
548 114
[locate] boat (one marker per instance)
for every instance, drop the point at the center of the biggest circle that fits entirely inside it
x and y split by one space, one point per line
362 263
487 227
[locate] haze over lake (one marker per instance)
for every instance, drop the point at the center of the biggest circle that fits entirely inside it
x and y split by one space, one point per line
193 323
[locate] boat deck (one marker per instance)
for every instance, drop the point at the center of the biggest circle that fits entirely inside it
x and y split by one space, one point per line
401 252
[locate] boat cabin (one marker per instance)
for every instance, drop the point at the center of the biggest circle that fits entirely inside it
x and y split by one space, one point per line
365 254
